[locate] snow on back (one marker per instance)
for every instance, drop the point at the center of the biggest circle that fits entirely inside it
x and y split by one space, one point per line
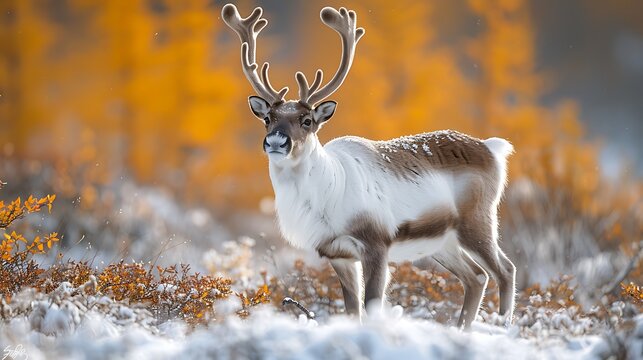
410 142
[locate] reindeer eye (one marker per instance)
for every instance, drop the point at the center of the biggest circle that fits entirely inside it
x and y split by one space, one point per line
266 120
307 122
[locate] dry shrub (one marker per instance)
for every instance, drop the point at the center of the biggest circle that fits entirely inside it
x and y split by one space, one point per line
316 288
251 298
558 294
426 294
17 273
180 293
130 282
76 273
633 291
438 296
422 293
18 209
168 292
17 268
409 281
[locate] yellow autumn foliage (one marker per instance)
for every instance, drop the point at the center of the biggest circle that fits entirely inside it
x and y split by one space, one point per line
154 90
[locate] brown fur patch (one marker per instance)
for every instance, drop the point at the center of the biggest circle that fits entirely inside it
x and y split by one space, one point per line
375 241
433 224
372 238
367 229
328 251
475 226
410 156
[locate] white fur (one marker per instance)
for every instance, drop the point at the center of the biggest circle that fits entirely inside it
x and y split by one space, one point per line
412 250
501 149
347 244
322 190
316 196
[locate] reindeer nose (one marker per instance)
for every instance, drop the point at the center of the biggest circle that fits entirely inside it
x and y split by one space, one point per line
277 142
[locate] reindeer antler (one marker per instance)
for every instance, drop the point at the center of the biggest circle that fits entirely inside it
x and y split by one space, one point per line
248 29
304 90
344 22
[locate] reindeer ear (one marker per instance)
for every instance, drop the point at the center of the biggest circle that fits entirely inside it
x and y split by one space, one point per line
259 107
324 111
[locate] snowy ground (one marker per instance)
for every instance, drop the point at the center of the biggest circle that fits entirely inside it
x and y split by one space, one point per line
146 224
64 325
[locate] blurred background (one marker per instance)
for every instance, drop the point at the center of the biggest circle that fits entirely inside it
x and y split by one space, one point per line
134 112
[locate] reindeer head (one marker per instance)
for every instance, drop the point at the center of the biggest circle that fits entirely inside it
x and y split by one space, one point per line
291 126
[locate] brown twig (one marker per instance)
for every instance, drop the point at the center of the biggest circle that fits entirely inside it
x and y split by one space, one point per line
288 301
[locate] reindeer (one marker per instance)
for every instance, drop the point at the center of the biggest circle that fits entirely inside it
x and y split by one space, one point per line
362 203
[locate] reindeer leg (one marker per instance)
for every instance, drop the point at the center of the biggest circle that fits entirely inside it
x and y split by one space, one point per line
350 277
507 286
483 248
474 280
503 270
376 275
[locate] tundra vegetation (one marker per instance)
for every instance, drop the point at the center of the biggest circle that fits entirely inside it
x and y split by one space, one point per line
107 164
